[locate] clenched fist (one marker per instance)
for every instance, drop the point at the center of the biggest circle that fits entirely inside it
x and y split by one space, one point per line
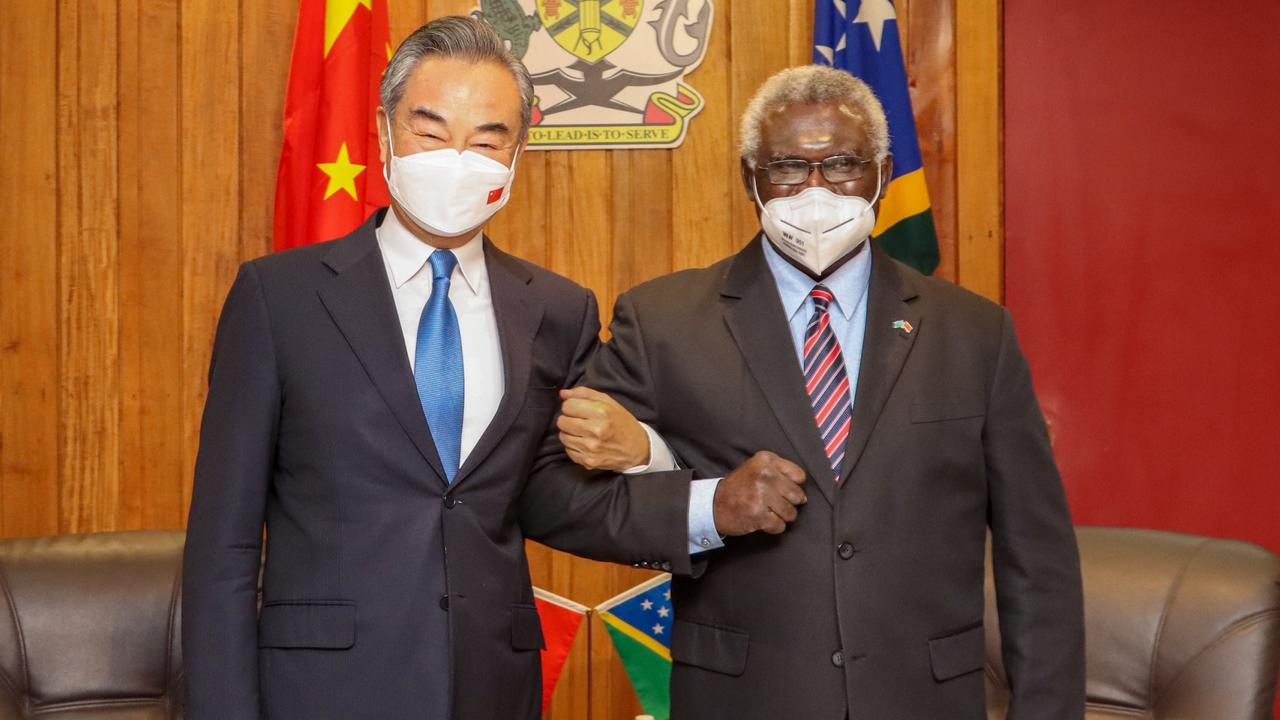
598 433
760 494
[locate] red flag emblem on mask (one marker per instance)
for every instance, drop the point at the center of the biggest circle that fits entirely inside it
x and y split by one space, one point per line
494 196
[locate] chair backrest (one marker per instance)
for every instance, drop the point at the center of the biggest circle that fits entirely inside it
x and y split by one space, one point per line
89 627
1176 626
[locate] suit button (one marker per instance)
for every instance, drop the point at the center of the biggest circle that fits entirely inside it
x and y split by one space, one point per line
449 502
444 602
837 658
845 551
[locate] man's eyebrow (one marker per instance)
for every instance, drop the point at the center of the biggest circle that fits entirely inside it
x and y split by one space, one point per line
789 156
495 127
426 113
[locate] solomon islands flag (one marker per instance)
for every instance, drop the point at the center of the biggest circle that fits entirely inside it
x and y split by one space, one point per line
861 37
639 622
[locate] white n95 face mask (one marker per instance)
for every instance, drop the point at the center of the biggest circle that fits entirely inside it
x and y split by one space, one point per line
445 192
816 227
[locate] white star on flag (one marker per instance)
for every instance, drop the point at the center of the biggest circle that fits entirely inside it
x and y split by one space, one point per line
657 629
663 611
875 13
646 604
828 53
667 594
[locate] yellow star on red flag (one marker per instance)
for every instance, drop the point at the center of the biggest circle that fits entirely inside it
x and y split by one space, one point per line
342 174
329 122
337 13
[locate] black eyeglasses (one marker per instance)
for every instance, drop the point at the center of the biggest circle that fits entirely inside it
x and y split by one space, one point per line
836 169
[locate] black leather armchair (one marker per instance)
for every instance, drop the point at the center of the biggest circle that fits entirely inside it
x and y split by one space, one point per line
1176 627
89 627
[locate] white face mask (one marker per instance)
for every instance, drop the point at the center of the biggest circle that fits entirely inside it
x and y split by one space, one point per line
817 227
445 192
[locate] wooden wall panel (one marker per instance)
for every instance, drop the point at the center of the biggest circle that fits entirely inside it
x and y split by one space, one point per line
152 471
931 77
701 198
143 140
979 199
88 266
266 32
209 112
29 294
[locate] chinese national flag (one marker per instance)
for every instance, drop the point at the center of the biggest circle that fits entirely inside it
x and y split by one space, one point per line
561 618
330 179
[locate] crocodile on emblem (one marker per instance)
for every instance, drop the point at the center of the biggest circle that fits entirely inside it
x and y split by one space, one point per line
507 17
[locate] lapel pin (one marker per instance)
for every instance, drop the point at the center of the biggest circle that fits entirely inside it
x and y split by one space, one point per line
903 325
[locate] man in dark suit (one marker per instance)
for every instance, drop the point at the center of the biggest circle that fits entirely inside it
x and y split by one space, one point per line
381 404
909 405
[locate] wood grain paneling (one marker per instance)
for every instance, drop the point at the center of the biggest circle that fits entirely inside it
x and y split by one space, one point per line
264 53
152 469
209 112
88 266
931 77
142 138
979 199
703 189
29 289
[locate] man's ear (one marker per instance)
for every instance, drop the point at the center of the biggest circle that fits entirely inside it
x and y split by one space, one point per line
380 116
748 178
886 173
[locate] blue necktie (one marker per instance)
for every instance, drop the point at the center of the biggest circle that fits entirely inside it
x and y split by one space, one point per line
437 366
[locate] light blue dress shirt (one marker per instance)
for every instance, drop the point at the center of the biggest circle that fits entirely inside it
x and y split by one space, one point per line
849 284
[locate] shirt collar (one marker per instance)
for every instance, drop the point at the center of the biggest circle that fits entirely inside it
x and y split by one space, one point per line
406 254
848 283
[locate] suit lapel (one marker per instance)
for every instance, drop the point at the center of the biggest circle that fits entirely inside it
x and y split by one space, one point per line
884 351
358 298
759 326
519 313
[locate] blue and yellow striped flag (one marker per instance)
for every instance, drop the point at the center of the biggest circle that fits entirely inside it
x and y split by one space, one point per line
861 36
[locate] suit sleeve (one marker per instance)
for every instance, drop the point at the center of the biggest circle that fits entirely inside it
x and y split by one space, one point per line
1034 555
626 519
621 367
224 530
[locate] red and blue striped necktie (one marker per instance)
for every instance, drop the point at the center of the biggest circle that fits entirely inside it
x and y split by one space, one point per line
826 379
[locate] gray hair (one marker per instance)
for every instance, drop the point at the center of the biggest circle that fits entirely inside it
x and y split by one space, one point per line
454 36
814 84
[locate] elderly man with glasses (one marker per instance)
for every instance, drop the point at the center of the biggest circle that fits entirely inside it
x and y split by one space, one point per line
909 406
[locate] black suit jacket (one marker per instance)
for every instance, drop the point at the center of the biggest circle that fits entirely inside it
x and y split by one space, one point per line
386 593
871 602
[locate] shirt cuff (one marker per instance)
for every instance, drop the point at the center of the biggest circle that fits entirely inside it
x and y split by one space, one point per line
702 516
661 459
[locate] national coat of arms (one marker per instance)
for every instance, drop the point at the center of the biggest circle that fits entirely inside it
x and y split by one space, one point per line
606 73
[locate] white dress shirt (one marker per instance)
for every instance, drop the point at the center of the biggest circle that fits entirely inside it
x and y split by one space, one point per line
406 259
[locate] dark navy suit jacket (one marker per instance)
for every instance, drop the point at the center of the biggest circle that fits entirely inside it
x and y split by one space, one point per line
386 592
